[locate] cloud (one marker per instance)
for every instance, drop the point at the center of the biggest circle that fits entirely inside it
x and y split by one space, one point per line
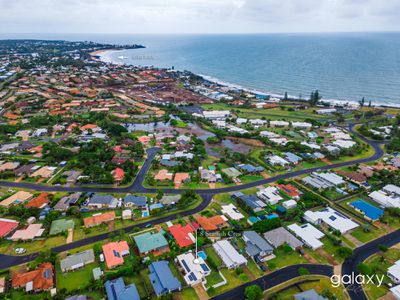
197 16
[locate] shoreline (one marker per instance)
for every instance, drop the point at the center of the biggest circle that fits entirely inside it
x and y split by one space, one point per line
101 54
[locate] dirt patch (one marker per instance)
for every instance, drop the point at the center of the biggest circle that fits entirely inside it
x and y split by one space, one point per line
70 236
328 257
250 142
310 259
327 161
265 175
248 273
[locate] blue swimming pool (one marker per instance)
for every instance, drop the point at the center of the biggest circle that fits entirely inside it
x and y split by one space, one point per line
202 254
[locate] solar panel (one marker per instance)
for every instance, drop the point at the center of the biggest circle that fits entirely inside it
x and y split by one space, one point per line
185 266
204 267
192 277
46 274
333 218
116 253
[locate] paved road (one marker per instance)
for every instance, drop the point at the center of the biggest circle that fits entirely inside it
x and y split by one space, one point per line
273 279
362 253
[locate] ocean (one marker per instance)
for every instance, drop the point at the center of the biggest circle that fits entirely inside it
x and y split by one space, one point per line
342 66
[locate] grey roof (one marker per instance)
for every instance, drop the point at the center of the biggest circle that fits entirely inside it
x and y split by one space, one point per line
84 257
309 295
97 273
137 200
25 169
169 163
170 199
67 201
279 236
102 199
256 243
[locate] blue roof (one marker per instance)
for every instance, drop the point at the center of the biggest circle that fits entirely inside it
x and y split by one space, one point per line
162 279
369 210
156 205
254 219
293 158
117 290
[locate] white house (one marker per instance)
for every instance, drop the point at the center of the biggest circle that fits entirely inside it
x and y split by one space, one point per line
308 234
270 195
393 272
195 272
332 218
277 160
289 204
230 256
232 212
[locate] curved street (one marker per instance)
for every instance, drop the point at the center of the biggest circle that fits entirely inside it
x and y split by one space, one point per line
275 278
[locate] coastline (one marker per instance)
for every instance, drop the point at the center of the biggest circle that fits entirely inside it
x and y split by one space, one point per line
104 55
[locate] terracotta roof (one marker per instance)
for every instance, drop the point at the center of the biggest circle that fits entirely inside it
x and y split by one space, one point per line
289 189
118 174
210 223
88 126
182 234
114 252
181 177
41 278
98 219
163 175
39 201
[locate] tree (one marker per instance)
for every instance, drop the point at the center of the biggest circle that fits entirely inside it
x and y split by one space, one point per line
383 248
369 103
286 96
344 252
267 225
364 269
362 102
253 292
314 98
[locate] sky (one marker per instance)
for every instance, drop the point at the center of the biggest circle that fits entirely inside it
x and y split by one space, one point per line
197 16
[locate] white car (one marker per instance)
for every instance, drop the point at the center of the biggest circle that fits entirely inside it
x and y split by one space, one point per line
20 250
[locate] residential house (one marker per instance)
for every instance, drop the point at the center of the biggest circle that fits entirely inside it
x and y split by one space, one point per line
114 253
163 175
279 236
393 272
162 279
18 198
290 190
248 168
231 258
67 201
276 160
309 295
250 200
117 290
61 225
169 200
369 211
135 201
257 246
72 176
270 195
40 279
181 178
332 218
29 233
232 212
118 175
38 202
44 172
77 260
151 243
98 219
213 223
308 234
231 172
102 201
7 226
9 166
183 235
195 270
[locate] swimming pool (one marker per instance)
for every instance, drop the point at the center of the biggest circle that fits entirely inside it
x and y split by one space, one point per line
202 254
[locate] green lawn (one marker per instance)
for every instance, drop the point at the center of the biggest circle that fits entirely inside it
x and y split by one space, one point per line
284 258
79 279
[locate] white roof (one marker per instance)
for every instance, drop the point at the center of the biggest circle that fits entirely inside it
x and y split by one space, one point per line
331 217
186 260
289 203
391 188
395 270
330 177
344 144
279 123
270 194
383 199
301 124
396 291
308 234
229 255
232 212
311 145
275 159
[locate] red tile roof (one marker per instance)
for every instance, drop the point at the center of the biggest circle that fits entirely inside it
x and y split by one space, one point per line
114 252
39 201
6 226
41 278
210 223
289 189
182 234
118 174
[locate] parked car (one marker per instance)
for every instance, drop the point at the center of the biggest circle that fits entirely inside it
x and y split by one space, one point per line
20 250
